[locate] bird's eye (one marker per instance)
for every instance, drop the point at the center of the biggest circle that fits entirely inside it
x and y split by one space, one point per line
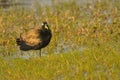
42 24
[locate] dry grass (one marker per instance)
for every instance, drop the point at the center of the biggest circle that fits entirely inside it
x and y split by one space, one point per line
89 36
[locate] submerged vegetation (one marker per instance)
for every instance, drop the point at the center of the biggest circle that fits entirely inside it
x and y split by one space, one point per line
85 42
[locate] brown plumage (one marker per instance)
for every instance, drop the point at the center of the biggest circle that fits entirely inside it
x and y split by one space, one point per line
35 39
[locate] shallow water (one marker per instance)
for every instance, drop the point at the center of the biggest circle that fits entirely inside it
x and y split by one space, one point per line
32 3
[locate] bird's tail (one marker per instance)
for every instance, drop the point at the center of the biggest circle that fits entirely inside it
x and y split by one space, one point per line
18 41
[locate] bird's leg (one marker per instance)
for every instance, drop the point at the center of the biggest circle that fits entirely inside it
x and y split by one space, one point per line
40 52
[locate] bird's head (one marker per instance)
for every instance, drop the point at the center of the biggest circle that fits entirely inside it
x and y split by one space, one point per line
45 26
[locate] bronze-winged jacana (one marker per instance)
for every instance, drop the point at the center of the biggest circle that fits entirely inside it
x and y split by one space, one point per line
35 39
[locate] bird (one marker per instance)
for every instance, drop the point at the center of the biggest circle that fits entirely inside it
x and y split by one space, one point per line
36 38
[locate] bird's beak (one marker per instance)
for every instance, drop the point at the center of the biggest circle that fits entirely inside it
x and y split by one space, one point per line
46 27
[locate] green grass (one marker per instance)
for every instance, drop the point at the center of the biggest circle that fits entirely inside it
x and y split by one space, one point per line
69 66
85 43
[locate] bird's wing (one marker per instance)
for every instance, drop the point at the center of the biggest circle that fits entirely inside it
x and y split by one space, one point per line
31 37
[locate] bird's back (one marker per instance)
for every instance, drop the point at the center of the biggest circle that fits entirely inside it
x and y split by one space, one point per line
32 37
